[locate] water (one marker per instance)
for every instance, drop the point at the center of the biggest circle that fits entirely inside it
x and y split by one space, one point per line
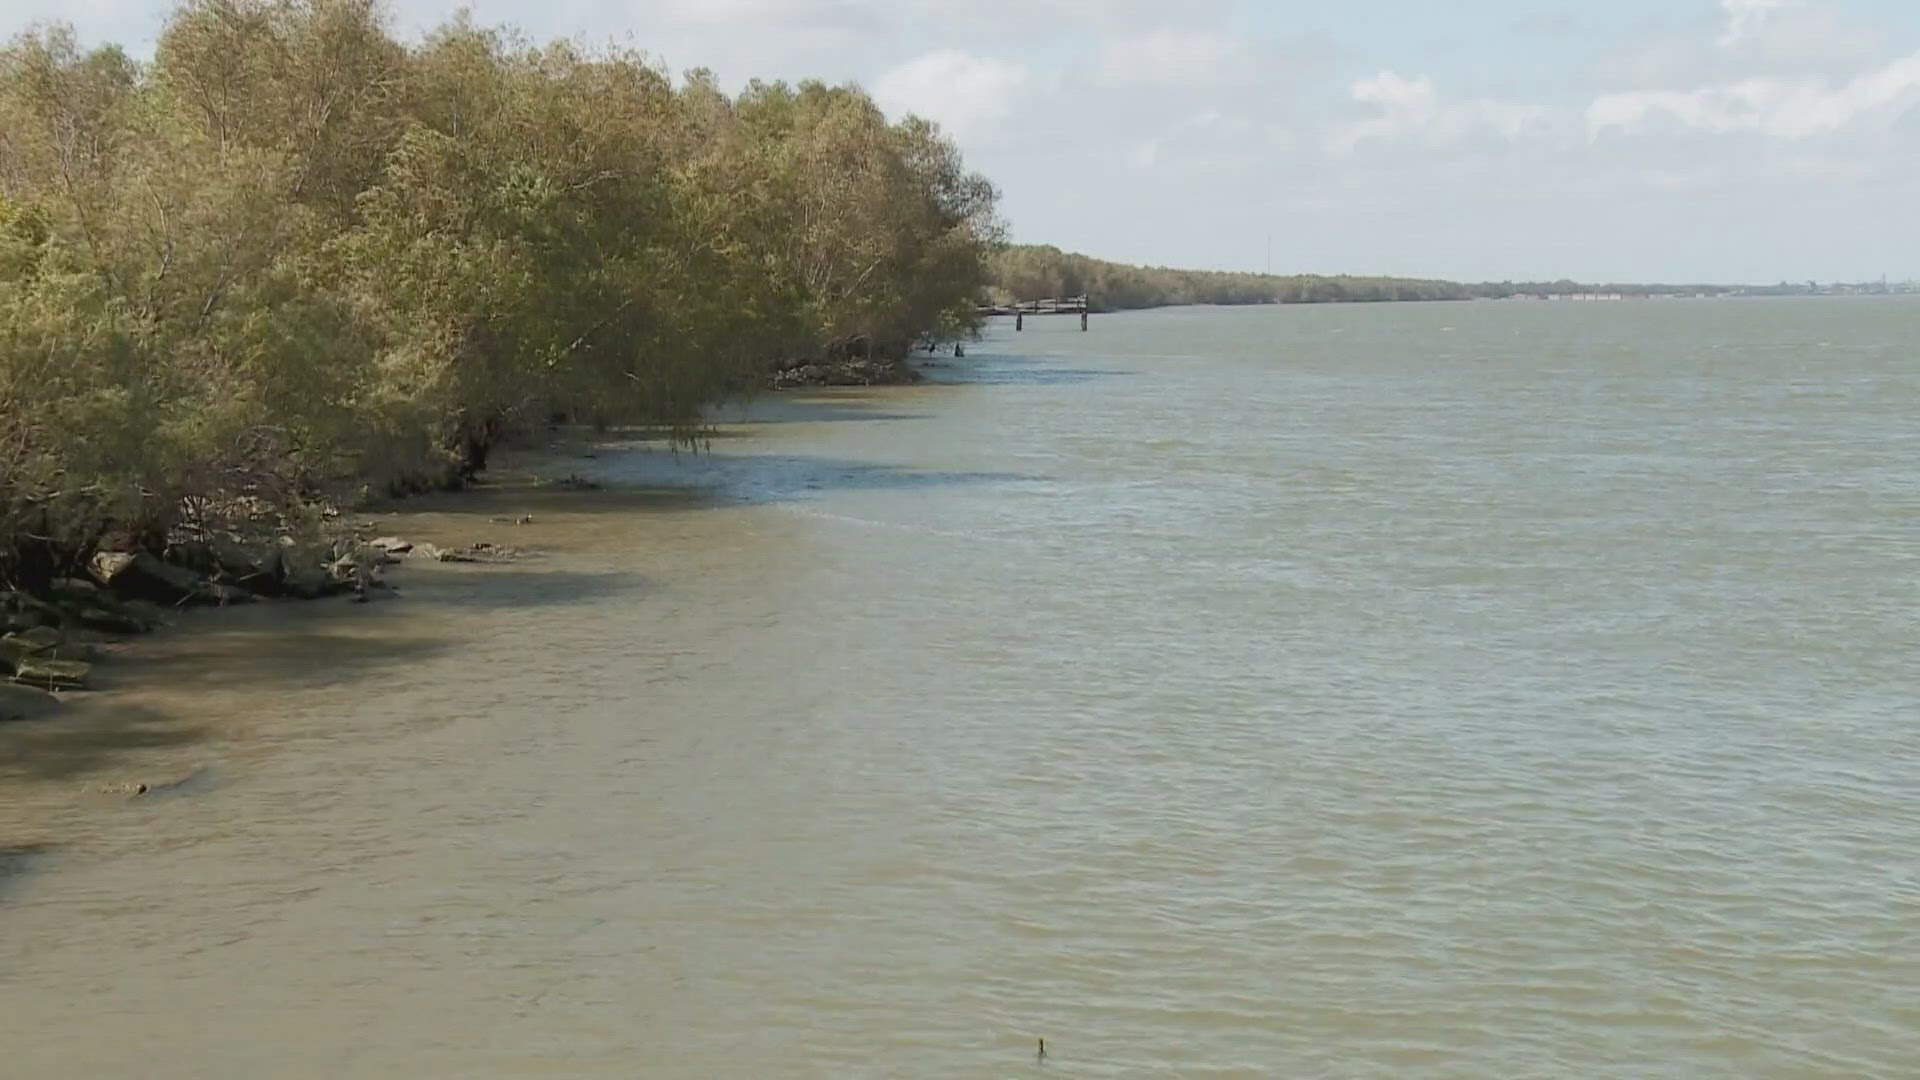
1519 690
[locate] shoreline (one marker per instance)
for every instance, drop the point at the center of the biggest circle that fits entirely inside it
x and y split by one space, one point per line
99 628
493 524
49 644
814 374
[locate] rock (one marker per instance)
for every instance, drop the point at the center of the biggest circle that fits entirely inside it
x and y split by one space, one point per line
115 620
392 545
145 577
309 583
108 565
219 592
40 638
148 613
250 566
309 574
195 555
846 373
13 652
18 611
360 569
76 591
43 643
52 674
86 654
120 617
457 555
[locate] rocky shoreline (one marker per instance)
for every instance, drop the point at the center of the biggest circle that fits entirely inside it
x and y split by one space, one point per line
847 373
50 643
51 639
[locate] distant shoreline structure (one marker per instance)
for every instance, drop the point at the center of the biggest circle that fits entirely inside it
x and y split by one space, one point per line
1024 274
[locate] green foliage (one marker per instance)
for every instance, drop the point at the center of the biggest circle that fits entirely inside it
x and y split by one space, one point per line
293 256
1026 272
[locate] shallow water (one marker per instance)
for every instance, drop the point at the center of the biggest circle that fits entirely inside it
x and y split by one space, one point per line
1421 690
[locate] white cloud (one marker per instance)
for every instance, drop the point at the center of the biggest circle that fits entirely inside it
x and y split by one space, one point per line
1777 108
1788 34
1747 17
967 94
775 14
1412 110
1176 58
1755 39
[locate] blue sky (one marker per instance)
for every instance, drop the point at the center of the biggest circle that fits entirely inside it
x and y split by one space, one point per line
1753 140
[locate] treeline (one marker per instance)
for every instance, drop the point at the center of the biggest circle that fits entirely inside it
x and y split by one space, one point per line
1028 272
292 255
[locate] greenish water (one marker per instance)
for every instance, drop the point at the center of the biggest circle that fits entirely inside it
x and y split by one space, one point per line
1429 690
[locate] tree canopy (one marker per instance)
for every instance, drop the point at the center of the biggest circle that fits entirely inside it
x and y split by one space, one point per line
1031 272
1026 272
293 256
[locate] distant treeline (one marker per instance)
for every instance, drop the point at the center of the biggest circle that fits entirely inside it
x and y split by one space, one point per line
292 257
1030 272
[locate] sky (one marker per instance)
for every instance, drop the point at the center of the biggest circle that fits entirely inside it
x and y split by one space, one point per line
1624 140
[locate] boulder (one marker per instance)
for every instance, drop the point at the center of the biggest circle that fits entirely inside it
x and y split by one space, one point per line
308 583
150 614
392 545
18 611
357 571
310 573
113 620
219 592
145 577
13 652
40 638
195 555
250 566
52 674
76 591
43 643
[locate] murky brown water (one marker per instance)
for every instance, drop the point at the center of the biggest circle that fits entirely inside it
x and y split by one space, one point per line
1440 691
